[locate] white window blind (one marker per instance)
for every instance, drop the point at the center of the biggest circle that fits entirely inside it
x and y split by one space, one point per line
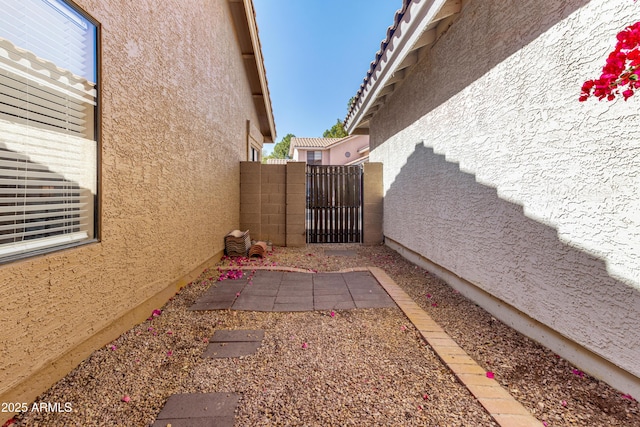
314 157
48 149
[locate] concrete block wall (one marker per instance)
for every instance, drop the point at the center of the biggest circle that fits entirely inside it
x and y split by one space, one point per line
251 198
296 204
373 195
272 202
273 199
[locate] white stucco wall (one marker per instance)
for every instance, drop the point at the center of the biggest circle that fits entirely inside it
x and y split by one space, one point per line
495 171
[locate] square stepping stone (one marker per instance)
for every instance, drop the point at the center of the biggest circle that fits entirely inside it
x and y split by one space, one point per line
226 335
328 279
199 409
233 343
263 292
254 304
223 350
296 277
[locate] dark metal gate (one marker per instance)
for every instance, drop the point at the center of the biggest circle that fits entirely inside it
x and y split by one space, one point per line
334 204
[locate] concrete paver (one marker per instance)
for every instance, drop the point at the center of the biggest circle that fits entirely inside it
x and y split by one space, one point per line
199 409
368 288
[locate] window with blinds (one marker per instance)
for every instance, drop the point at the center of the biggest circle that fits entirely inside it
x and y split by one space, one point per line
48 146
314 157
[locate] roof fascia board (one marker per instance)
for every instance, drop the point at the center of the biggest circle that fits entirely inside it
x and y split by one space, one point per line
262 75
416 18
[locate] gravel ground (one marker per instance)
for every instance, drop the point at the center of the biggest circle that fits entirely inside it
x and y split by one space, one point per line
360 367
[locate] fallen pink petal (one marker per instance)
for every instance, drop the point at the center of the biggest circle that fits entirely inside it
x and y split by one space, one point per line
578 373
333 314
113 348
628 397
156 313
169 353
490 375
305 345
125 398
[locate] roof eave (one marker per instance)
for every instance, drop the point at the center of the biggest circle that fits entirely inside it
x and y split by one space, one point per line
248 26
415 28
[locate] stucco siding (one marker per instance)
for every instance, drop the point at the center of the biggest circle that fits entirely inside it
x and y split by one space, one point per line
175 103
496 172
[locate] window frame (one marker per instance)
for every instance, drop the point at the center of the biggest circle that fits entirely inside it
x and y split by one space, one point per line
96 202
314 157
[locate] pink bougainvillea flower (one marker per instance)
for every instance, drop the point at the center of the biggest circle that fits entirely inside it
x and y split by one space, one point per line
425 396
490 375
403 328
169 353
332 314
628 397
305 345
545 424
113 348
125 398
156 313
563 403
578 373
434 304
149 329
429 295
169 333
237 294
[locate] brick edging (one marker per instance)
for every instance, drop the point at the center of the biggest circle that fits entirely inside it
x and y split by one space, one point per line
503 407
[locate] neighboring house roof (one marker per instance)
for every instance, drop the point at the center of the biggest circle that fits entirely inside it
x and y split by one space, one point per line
358 161
417 25
311 143
244 18
277 161
318 143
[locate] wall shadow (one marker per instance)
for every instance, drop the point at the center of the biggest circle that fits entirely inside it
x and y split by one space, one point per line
506 27
435 209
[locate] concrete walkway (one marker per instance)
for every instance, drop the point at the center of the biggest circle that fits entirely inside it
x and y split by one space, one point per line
296 291
268 290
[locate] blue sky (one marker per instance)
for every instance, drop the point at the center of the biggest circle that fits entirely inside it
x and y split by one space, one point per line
316 54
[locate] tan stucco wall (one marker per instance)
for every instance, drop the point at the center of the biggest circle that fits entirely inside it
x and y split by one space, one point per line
495 172
175 103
